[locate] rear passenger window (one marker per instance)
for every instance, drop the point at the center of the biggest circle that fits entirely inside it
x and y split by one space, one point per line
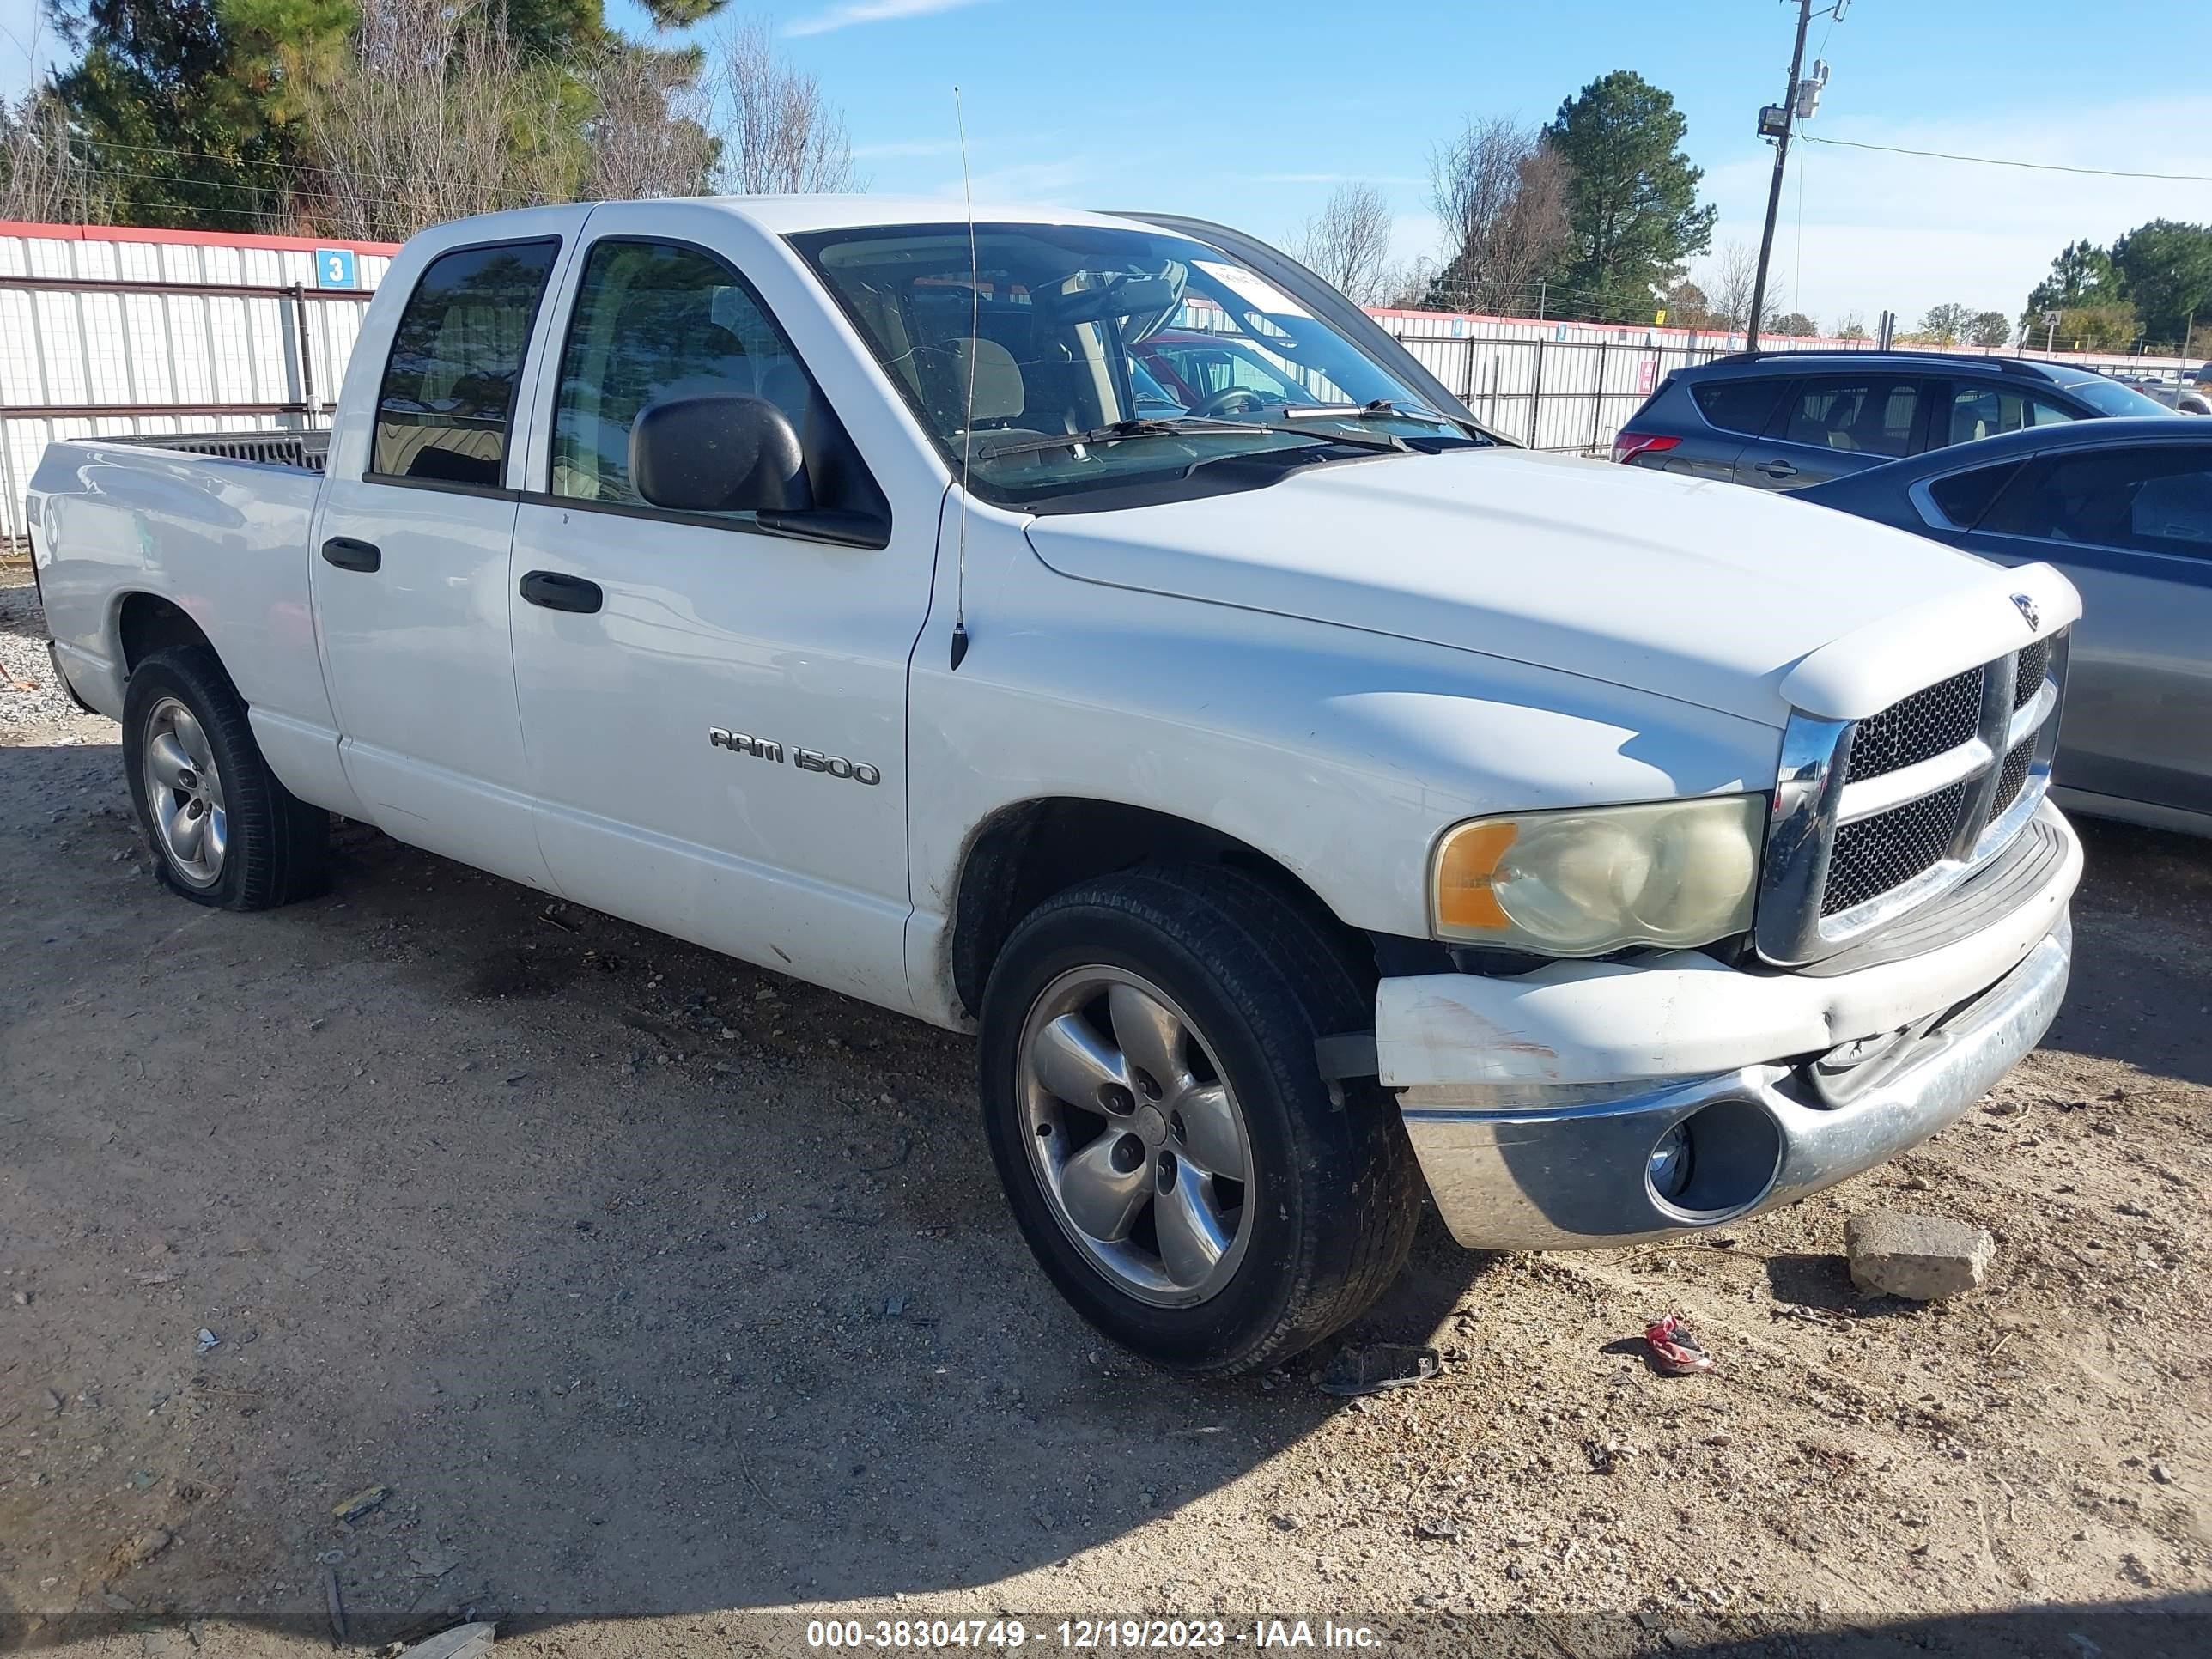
1744 407
654 320
1858 416
1964 496
2151 500
448 392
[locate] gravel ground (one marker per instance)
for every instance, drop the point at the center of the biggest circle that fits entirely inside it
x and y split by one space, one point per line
33 708
669 1302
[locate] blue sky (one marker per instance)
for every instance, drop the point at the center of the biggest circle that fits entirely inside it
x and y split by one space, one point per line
1249 110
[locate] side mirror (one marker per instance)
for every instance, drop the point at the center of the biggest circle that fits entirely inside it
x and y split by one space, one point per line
718 455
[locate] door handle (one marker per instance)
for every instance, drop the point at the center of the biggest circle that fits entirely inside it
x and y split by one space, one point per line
348 554
1777 468
557 590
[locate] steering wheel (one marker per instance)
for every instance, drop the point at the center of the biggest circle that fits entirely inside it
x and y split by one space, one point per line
1232 400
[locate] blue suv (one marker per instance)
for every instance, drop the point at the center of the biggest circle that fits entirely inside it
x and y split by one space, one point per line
1784 420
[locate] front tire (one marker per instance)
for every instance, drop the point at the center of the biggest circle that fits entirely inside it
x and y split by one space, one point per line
1176 1163
223 831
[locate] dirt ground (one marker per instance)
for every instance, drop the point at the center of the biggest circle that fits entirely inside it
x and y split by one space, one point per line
671 1303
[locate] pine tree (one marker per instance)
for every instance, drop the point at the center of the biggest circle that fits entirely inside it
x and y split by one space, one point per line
1632 198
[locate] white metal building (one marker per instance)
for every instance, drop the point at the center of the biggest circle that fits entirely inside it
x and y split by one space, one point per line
107 330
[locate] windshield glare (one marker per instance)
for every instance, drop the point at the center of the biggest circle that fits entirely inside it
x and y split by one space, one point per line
1070 328
2111 398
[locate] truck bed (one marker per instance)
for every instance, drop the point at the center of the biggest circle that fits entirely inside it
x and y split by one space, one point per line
215 525
306 450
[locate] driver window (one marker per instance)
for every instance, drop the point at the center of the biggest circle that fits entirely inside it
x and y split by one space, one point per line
653 321
1984 411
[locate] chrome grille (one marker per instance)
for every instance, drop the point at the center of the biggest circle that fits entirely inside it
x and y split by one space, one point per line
1925 724
2034 668
1889 849
1875 817
2014 775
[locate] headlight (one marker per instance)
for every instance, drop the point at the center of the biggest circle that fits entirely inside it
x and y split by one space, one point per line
1585 881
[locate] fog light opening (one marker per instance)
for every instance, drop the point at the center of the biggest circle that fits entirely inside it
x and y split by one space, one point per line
1716 1163
1671 1162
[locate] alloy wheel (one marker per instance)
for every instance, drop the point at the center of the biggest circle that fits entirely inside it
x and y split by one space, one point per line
1135 1135
184 793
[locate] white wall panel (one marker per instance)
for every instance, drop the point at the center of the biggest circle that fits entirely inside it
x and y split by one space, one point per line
105 349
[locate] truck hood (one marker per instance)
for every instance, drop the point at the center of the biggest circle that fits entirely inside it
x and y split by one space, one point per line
1732 598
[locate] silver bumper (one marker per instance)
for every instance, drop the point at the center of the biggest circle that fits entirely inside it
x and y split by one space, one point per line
1561 1177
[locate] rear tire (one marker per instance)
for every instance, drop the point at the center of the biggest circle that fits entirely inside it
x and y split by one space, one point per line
1301 1206
223 831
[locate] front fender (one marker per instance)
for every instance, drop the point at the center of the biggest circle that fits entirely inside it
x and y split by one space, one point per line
1341 754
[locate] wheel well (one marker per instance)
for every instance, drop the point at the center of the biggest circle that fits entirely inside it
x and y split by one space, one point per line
148 623
1026 854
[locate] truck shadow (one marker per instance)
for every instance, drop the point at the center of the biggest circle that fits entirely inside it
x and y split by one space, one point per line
639 1281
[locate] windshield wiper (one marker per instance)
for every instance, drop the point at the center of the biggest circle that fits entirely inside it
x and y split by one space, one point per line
1179 427
1381 409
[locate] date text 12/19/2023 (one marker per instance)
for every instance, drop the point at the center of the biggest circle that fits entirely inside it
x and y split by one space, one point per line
1112 1635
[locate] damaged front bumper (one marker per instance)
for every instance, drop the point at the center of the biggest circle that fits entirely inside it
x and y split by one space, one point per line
1536 1105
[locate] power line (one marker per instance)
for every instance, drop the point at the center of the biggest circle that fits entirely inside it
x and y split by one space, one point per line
186 181
2000 162
350 173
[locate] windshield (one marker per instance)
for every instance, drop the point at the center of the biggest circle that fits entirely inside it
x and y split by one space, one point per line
2111 398
1072 329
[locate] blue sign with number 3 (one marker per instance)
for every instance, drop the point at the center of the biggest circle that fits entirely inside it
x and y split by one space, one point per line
334 267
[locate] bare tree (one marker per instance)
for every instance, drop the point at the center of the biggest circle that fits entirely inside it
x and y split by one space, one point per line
42 178
1501 193
648 133
778 136
435 115
1730 281
1408 286
1688 307
1347 243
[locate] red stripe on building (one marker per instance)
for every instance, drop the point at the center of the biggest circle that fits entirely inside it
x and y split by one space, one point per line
184 238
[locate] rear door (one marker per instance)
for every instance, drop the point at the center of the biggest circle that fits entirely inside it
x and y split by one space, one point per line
1724 415
2131 527
410 578
714 715
1837 422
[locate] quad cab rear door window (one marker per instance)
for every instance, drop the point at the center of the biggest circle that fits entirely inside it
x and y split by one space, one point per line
446 408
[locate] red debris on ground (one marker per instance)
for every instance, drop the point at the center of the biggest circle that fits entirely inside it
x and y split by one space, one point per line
1674 1350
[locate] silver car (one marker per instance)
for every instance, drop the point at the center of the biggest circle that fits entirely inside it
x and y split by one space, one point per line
2125 508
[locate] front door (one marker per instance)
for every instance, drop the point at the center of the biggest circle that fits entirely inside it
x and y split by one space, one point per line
2131 527
409 568
714 715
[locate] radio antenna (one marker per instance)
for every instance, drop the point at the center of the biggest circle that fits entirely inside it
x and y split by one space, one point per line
968 416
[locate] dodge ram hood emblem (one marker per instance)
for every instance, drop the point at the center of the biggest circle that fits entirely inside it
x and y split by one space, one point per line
2027 607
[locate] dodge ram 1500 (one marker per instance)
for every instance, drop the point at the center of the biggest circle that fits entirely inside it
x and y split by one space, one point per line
1310 799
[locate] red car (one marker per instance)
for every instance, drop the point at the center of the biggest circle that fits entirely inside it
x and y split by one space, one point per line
1189 372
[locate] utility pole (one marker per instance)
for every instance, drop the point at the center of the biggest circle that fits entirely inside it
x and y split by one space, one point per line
1778 122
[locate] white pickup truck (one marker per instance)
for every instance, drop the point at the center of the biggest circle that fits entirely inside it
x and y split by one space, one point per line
1309 798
